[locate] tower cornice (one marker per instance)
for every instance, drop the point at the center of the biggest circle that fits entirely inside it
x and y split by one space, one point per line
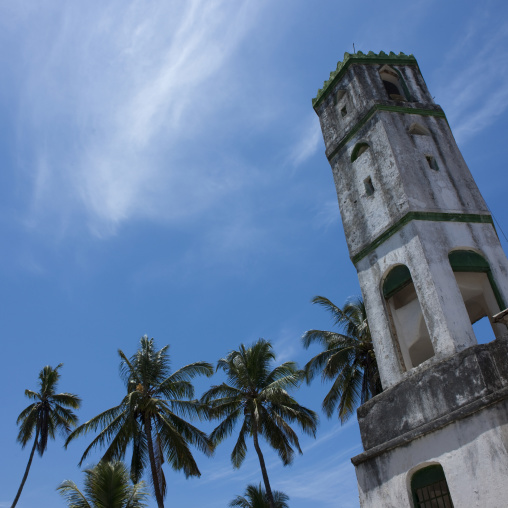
408 108
471 218
370 58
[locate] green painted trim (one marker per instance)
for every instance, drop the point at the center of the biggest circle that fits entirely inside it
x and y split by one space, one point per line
398 278
356 150
426 477
427 216
467 261
499 298
470 261
383 107
370 58
405 89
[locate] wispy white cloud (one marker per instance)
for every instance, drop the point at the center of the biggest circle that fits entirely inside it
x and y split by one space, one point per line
326 478
407 21
326 484
115 98
475 93
328 214
334 433
308 142
287 345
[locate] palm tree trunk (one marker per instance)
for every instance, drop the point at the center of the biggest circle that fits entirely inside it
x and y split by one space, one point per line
27 468
268 489
155 476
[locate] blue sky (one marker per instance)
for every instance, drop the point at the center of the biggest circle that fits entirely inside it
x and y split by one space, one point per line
163 173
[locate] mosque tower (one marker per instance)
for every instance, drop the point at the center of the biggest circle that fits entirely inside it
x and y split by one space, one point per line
430 264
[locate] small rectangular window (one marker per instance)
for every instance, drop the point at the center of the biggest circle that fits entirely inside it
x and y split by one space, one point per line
431 161
369 188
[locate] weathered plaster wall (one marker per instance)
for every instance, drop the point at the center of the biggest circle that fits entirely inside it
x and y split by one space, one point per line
364 89
403 181
472 452
456 386
423 246
365 217
452 408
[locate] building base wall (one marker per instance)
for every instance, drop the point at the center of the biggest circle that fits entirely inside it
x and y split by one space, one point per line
472 451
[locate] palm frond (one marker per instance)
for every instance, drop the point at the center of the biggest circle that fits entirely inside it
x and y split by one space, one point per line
189 408
73 496
347 358
106 485
240 449
32 395
191 371
67 399
113 427
226 426
190 433
176 450
139 459
103 419
222 390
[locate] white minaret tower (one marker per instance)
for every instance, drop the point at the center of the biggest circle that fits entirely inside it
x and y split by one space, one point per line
430 264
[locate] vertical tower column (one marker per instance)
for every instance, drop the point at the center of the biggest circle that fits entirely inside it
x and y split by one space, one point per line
430 265
417 227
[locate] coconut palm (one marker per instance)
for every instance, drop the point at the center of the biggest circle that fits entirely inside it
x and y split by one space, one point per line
257 396
107 485
347 358
255 497
151 417
49 413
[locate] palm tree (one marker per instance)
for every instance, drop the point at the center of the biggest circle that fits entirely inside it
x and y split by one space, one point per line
255 497
45 416
257 396
150 417
107 485
347 358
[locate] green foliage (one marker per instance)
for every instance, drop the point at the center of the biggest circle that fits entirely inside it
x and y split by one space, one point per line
348 358
107 485
255 497
256 397
151 417
51 412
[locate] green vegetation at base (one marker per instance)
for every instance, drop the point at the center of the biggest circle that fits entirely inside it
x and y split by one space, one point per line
107 485
347 359
255 497
150 418
50 413
257 396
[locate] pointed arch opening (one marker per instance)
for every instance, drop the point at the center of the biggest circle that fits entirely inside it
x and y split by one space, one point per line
394 85
479 291
417 129
358 150
406 317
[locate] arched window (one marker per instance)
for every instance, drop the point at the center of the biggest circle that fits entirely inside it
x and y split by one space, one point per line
393 84
479 291
418 130
340 102
429 488
406 316
358 150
